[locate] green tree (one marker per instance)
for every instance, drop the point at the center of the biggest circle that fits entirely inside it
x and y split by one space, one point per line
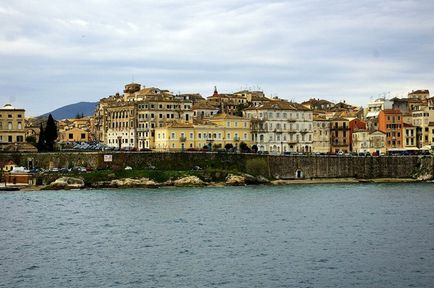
257 166
50 133
244 148
239 109
31 140
41 141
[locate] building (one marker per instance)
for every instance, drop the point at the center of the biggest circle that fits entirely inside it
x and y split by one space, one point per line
129 120
12 125
280 126
236 129
374 108
73 135
355 125
204 109
215 133
409 137
234 103
318 104
424 119
390 121
340 135
321 135
365 141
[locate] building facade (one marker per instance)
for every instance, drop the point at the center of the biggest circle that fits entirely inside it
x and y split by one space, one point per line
390 121
12 125
321 135
340 135
280 126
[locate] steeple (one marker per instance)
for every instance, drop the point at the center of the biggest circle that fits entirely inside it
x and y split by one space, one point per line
216 93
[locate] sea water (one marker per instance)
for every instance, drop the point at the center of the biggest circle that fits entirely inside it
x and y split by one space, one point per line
346 235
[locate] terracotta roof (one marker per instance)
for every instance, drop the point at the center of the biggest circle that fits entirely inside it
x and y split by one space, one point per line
319 118
179 124
280 105
226 116
426 91
204 105
408 125
314 101
391 111
377 131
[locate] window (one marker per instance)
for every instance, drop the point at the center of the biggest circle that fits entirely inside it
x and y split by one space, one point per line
70 136
83 136
10 126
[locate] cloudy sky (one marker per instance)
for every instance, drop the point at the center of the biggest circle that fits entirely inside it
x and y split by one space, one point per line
54 53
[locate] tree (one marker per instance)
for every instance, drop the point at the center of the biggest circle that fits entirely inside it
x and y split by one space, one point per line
229 146
239 109
255 148
31 140
244 148
50 133
41 141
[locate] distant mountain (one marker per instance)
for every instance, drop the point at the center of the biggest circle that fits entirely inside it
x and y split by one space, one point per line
72 110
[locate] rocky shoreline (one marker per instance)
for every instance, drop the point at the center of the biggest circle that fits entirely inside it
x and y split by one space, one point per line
69 183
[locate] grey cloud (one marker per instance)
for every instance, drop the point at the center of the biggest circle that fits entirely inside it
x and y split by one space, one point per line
55 53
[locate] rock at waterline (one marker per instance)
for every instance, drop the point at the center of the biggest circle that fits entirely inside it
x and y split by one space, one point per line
188 181
67 183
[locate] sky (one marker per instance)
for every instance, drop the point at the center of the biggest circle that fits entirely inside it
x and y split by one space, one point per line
54 53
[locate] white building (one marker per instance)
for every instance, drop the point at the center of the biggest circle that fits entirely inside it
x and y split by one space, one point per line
321 135
280 126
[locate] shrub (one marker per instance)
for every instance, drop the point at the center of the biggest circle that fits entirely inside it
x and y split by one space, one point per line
257 166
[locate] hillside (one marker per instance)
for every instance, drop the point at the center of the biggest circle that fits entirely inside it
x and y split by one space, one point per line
72 110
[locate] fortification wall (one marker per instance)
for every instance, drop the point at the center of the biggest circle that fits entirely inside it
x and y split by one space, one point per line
285 167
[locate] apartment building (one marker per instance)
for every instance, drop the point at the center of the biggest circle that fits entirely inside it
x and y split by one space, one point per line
12 125
390 121
280 126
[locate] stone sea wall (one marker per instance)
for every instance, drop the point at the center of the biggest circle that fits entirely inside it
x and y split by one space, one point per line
280 167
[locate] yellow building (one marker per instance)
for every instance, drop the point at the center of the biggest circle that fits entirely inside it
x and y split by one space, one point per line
212 134
12 125
74 135
236 129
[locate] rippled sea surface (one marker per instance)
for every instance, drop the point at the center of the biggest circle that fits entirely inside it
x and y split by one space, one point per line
294 236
